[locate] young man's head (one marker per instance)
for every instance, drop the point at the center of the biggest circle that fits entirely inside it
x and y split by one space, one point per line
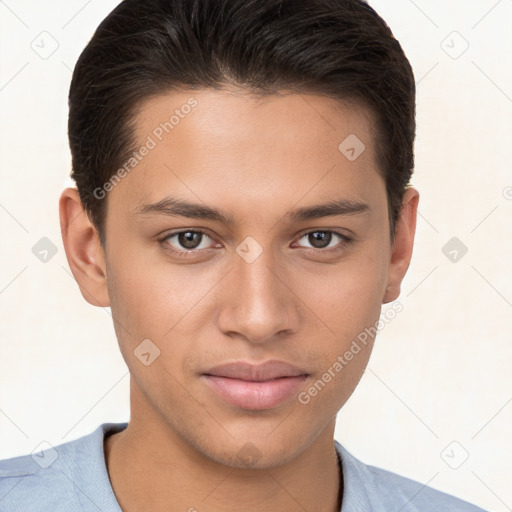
243 167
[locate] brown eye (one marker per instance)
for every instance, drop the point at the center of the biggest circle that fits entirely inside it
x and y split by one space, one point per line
189 239
185 242
321 239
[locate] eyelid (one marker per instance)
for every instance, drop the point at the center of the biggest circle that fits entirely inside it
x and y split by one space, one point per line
346 239
324 230
191 230
349 234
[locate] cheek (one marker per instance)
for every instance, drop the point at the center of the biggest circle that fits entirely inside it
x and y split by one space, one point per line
149 295
165 304
348 297
348 301
137 304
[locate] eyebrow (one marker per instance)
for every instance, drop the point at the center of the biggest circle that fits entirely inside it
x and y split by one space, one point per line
174 207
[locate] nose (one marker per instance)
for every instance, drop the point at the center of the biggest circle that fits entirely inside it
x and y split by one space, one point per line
259 304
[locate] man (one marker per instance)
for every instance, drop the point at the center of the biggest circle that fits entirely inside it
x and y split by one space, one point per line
243 207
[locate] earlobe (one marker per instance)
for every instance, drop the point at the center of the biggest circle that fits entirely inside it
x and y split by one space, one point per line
403 245
84 253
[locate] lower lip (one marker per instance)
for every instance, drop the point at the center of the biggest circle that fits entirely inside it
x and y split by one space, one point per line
255 395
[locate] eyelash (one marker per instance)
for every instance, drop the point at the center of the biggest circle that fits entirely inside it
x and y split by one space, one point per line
192 252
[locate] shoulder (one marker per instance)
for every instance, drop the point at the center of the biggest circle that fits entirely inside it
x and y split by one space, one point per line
57 478
379 490
41 479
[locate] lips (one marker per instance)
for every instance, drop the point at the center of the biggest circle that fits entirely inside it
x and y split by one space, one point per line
256 387
250 372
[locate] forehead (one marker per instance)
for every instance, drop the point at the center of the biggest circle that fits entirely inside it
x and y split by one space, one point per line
217 146
231 115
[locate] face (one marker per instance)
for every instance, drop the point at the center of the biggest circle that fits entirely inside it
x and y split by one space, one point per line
249 301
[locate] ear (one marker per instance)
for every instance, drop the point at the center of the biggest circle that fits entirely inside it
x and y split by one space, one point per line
85 255
402 246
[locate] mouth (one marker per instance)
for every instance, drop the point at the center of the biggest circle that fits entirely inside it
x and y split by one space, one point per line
255 387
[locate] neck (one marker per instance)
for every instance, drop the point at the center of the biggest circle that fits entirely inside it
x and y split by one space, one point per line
151 468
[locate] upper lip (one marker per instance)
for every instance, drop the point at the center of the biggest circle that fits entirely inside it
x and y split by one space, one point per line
255 372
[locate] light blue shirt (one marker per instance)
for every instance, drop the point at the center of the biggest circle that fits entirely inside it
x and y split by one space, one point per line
72 477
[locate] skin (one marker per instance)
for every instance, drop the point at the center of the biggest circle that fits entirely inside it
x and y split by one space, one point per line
254 159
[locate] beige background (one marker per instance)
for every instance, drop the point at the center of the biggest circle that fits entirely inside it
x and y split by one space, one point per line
438 386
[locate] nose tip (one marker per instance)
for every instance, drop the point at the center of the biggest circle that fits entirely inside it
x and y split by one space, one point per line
257 306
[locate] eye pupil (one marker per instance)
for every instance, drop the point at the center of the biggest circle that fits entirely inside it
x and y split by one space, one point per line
324 238
189 239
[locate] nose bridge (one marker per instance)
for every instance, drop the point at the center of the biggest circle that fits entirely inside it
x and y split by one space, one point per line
259 304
